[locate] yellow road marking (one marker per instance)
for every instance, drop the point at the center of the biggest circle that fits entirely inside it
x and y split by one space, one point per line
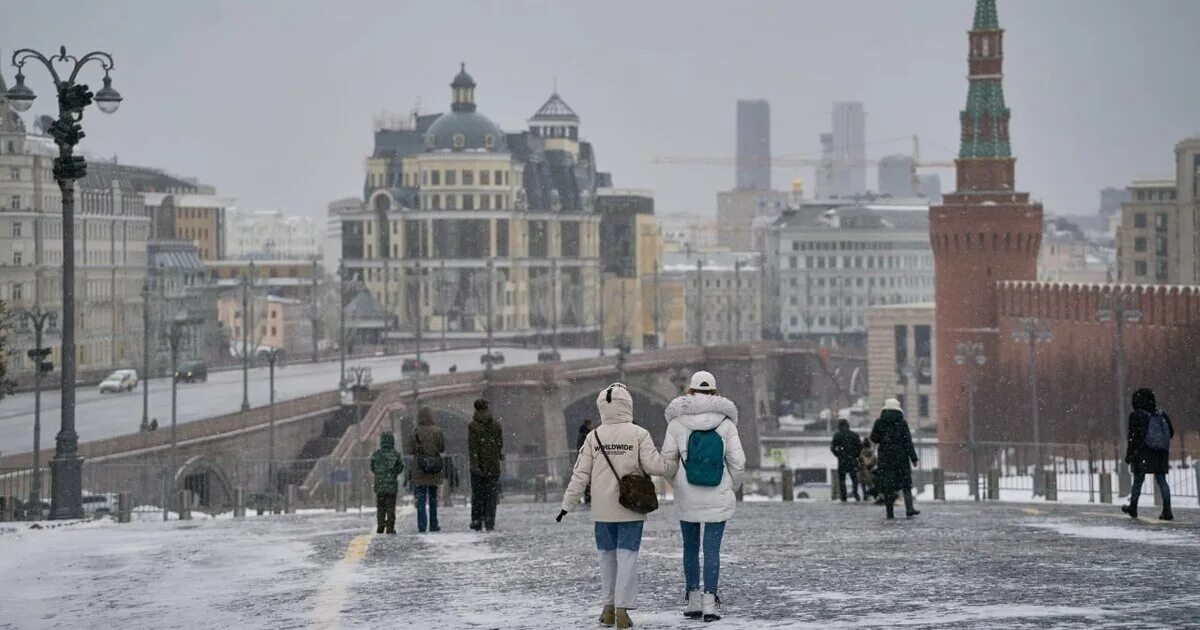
1032 511
327 613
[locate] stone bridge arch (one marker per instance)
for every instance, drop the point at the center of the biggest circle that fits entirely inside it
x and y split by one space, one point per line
648 412
207 480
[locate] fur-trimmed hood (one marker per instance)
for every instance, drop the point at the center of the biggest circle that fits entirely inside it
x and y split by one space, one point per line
701 412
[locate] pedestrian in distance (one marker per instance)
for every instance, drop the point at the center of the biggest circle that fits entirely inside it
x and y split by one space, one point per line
585 429
614 452
154 425
704 452
846 447
485 448
427 447
893 474
386 466
1148 451
866 470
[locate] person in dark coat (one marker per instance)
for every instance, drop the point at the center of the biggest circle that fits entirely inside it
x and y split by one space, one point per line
866 470
386 465
485 442
893 472
1142 457
585 429
428 442
846 447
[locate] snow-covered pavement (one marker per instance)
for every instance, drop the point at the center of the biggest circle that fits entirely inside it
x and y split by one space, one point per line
785 566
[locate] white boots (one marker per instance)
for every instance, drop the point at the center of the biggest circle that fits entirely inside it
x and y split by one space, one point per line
712 607
694 609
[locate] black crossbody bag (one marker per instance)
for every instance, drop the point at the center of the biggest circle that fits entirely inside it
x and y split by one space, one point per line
636 490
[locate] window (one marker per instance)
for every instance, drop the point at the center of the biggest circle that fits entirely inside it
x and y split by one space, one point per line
451 178
468 200
489 141
273 333
1139 220
16 229
923 405
499 178
484 178
1160 221
274 314
451 200
17 258
435 178
792 262
16 202
1139 244
499 202
436 201
1139 268
1160 246
16 292
485 201
468 178
460 141
1160 270
14 173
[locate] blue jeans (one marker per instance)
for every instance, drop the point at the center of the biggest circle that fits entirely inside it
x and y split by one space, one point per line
421 493
713 532
617 545
1163 488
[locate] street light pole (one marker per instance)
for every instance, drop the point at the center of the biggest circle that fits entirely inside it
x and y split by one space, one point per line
342 322
272 357
174 337
487 370
700 302
247 322
145 426
67 466
41 366
554 306
971 355
737 303
442 297
418 310
1120 308
1032 332
316 311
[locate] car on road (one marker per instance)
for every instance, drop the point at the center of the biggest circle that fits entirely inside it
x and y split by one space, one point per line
191 371
99 504
414 366
497 358
549 356
119 381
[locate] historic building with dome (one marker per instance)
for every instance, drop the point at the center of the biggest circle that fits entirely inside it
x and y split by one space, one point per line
459 214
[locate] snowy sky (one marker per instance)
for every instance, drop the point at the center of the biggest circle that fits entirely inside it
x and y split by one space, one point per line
271 101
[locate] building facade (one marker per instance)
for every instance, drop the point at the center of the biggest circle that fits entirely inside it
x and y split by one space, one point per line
270 235
461 219
737 210
901 362
753 145
896 176
199 218
849 169
722 295
1157 240
826 266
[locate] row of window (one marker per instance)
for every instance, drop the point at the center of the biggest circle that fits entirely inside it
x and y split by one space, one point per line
840 246
464 202
1141 269
870 283
1161 220
1160 245
1154 194
464 177
861 262
822 320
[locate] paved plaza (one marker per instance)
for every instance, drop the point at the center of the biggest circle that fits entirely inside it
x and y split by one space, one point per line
810 564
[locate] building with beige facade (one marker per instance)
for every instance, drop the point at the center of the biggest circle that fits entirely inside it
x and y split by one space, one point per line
270 235
462 218
900 362
1158 241
197 217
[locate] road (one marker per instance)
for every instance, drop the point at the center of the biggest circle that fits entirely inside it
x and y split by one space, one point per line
99 416
798 566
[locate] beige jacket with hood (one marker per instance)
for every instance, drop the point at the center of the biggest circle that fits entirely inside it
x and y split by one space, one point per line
630 448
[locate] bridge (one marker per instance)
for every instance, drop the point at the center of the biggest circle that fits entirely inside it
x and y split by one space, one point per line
540 407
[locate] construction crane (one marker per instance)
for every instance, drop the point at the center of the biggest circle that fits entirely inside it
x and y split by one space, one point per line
797 161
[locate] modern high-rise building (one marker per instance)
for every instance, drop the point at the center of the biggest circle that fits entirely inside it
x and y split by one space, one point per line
896 176
931 187
824 186
753 145
849 149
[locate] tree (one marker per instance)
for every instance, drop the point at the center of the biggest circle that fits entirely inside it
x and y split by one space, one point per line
6 384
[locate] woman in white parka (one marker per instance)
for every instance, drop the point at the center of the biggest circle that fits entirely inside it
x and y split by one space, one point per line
705 455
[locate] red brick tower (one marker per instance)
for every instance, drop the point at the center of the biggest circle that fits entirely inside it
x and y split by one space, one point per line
984 232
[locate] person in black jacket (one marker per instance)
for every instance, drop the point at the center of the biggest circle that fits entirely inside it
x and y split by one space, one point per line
1142 457
846 447
893 473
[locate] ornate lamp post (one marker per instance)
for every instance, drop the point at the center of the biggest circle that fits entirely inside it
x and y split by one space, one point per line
175 339
67 466
971 356
1033 332
41 366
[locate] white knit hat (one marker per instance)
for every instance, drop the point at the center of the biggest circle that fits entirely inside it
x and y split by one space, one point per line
703 381
892 404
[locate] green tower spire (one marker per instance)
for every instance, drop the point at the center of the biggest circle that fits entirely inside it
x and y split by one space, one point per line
985 15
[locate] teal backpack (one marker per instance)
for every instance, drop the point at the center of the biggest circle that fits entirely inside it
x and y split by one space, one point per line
705 458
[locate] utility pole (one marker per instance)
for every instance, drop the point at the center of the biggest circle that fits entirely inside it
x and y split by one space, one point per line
316 311
247 322
145 427
38 354
417 311
554 306
700 302
1032 332
971 356
272 357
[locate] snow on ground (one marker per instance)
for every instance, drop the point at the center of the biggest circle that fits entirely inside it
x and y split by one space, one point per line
811 564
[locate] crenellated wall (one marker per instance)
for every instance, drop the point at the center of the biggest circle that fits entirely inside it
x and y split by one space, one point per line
1077 367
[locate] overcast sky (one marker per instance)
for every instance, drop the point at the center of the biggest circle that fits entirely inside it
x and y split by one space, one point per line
272 101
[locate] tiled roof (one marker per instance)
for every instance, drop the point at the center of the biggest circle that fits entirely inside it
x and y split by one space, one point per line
555 109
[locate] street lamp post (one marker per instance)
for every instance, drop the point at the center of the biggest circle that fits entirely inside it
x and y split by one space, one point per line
971 355
174 339
272 355
145 426
247 323
41 366
341 323
489 360
1032 332
554 306
737 300
700 302
67 466
1120 308
316 310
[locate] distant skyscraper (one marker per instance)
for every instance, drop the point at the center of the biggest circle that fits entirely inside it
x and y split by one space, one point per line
824 186
849 149
931 187
753 145
895 176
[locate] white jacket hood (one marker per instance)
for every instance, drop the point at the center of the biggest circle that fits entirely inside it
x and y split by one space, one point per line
701 412
615 404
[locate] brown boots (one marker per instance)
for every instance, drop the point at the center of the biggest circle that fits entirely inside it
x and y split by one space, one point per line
618 616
